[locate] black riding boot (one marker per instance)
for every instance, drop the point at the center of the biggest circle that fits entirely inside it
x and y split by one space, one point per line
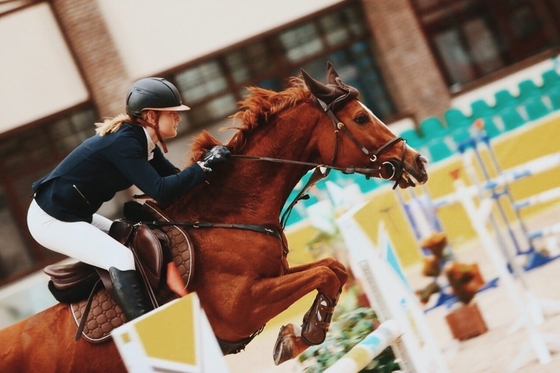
129 293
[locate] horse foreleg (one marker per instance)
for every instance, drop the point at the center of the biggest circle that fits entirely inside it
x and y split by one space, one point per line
334 265
292 339
267 297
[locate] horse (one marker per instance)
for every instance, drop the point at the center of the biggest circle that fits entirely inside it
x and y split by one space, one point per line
242 276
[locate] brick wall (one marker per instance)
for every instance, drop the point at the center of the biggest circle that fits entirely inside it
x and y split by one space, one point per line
410 72
95 52
409 69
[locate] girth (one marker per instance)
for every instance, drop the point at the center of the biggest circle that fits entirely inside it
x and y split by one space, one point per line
162 223
197 224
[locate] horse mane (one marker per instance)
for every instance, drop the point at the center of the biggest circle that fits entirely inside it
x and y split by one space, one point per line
256 109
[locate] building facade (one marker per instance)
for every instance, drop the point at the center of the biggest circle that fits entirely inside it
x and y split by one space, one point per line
67 64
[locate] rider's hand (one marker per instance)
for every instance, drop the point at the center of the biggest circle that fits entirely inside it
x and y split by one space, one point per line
218 154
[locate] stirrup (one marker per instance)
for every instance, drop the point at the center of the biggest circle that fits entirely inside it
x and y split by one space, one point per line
317 320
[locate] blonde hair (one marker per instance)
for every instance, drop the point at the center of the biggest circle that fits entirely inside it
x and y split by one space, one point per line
111 125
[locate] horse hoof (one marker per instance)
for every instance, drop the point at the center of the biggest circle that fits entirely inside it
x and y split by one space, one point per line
283 348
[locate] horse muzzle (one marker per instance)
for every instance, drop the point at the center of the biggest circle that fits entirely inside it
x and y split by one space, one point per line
415 173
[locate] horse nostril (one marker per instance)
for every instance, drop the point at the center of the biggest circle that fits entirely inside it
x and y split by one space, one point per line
422 162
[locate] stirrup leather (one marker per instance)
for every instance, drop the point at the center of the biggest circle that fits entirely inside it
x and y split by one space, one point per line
317 320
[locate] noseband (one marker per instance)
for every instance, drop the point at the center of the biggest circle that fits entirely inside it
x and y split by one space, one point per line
397 166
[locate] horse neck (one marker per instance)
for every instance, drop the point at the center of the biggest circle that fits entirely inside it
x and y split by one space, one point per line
261 187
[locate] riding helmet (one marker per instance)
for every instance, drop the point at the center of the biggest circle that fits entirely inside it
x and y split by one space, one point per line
153 94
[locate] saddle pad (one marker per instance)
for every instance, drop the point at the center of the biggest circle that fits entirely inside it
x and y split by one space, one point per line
105 314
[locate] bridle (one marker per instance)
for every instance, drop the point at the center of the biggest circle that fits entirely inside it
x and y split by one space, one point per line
386 170
394 167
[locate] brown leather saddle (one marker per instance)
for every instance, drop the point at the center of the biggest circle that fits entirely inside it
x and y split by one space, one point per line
160 253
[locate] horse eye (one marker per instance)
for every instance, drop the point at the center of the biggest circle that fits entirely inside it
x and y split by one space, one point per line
361 119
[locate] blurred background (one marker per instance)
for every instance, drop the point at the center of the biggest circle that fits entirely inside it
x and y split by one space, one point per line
424 67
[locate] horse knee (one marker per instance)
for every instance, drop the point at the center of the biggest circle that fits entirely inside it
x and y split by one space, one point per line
338 268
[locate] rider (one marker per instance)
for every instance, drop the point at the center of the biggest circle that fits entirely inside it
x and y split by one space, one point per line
123 152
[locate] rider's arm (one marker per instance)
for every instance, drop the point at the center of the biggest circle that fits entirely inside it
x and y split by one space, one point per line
128 156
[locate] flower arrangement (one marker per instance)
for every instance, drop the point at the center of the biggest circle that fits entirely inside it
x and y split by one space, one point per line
347 330
464 279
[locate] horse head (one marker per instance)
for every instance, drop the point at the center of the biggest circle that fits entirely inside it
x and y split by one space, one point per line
366 145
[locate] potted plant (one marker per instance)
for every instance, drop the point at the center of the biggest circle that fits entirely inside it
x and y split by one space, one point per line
465 320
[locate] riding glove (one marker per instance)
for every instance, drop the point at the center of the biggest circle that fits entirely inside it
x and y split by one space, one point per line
218 154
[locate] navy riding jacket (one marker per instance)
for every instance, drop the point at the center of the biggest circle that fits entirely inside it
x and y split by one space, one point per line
103 165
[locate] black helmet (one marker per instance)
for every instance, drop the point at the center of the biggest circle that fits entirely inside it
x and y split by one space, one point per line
153 94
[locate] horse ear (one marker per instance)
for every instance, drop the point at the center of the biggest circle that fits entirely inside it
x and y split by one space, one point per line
334 92
317 88
334 79
331 74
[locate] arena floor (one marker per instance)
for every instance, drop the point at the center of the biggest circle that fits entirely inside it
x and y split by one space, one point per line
492 352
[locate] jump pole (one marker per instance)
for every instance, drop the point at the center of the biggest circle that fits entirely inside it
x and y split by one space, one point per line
539 165
536 341
361 355
481 189
542 197
378 271
508 176
531 168
485 139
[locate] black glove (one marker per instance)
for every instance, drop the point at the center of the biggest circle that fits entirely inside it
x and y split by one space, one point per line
218 154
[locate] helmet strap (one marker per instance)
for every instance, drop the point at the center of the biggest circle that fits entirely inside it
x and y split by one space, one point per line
142 122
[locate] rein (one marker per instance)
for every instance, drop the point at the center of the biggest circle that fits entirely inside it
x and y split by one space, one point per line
318 175
315 177
344 170
338 125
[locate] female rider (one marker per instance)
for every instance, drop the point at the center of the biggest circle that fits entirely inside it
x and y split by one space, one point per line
123 152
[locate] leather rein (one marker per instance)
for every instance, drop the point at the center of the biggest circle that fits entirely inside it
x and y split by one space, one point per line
317 175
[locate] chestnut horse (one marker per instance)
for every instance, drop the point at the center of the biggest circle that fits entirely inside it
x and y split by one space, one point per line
242 276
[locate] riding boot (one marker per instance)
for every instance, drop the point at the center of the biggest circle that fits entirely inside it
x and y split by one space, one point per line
317 320
129 293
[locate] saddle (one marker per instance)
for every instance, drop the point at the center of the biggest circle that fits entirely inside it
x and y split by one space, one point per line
164 258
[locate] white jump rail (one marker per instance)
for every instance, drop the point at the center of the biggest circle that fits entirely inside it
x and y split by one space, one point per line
537 341
362 354
378 271
530 168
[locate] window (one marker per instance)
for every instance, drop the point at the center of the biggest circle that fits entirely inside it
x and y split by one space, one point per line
13 5
473 38
24 158
212 88
13 257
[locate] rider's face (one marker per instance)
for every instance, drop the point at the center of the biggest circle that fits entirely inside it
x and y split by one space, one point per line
168 122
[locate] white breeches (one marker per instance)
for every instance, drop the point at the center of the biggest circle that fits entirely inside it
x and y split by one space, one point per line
88 243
